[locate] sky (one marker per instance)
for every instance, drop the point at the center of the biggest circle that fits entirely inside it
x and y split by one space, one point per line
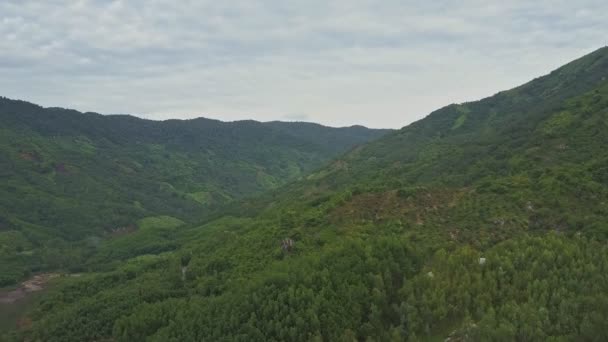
382 64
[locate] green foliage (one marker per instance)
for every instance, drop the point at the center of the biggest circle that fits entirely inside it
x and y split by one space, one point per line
74 176
159 222
462 118
529 289
481 222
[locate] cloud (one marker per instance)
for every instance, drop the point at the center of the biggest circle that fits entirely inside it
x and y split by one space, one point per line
381 64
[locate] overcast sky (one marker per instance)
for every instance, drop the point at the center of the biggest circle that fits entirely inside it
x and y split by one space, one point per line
381 63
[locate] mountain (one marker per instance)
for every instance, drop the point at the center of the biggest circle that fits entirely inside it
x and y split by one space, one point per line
337 139
484 221
68 176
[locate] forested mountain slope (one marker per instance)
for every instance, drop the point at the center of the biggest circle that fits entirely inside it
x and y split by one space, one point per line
484 221
455 143
66 176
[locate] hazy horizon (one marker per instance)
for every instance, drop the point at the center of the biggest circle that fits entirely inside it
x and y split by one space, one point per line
337 64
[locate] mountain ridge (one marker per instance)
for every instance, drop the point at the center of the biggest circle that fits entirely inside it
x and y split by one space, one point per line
204 118
73 175
484 221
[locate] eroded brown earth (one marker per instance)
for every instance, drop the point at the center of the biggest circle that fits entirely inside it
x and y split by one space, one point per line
34 284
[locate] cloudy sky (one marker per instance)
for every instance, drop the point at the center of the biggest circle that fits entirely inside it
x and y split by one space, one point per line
382 63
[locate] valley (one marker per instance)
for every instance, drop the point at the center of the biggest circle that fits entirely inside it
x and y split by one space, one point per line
71 180
484 221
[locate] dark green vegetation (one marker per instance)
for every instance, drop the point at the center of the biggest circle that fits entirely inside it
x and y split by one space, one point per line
485 221
69 179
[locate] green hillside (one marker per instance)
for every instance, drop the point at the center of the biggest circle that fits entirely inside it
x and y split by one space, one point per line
484 221
71 178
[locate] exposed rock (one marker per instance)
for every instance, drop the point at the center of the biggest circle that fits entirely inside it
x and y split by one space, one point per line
287 244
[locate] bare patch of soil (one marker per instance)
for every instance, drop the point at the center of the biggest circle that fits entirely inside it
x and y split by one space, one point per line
34 284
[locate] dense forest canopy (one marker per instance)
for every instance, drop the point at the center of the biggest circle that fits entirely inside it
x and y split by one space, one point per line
71 179
484 221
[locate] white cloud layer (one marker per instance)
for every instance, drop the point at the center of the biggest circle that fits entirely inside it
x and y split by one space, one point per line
341 62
